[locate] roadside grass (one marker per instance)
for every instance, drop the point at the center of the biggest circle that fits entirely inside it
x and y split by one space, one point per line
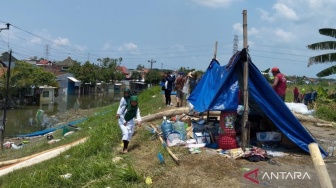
92 163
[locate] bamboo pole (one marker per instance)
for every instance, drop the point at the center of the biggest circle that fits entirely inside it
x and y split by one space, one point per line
245 89
169 151
215 56
319 165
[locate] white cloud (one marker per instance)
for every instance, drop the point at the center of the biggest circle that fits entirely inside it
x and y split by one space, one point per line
36 40
284 11
282 35
62 41
214 3
264 15
129 48
238 28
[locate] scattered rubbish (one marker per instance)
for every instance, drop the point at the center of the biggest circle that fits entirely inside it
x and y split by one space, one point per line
245 169
53 141
148 180
160 157
66 176
50 137
12 145
68 133
194 150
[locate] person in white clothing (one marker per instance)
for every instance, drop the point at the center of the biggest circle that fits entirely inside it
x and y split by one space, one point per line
123 103
127 121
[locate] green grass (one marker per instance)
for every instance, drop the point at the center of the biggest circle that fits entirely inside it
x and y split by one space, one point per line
91 164
323 107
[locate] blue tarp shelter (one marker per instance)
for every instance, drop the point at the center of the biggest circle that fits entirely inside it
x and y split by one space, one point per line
218 91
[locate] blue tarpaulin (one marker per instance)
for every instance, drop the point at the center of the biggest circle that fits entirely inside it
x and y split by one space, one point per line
218 91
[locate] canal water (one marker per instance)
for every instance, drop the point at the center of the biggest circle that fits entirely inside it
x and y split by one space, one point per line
24 120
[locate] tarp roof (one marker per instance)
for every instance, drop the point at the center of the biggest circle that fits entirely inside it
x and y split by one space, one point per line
218 90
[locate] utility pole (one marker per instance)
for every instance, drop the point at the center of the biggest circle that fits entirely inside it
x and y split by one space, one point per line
151 62
2 127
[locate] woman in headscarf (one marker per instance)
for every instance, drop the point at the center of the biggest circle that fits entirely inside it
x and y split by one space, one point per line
123 102
127 122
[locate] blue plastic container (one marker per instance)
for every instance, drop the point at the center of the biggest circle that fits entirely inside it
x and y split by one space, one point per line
166 128
179 127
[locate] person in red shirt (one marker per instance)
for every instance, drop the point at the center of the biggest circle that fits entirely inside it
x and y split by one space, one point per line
296 95
279 85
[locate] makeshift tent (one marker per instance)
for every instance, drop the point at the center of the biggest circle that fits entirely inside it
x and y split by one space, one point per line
218 90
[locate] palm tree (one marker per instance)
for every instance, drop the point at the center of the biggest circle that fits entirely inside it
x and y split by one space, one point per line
324 58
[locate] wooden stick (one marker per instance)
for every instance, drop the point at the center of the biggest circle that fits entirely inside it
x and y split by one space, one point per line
319 165
169 151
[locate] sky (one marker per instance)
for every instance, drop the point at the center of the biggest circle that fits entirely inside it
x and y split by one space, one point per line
169 33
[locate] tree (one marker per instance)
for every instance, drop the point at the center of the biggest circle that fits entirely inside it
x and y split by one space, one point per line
153 77
109 69
140 67
136 75
324 58
24 76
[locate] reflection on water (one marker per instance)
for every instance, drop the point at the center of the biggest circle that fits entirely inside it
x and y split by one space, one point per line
24 119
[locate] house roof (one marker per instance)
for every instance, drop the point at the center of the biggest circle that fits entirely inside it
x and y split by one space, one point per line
4 57
123 70
43 62
68 62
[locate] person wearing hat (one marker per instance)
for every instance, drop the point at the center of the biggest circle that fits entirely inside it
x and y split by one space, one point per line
127 121
279 85
123 102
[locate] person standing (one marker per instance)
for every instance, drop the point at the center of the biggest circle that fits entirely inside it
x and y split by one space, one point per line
169 80
279 85
179 83
124 101
127 121
296 95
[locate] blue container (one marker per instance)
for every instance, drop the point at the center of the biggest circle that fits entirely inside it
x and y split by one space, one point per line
166 128
179 127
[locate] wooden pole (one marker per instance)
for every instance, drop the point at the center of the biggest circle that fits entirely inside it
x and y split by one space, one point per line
164 144
215 55
319 165
2 127
215 52
245 89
